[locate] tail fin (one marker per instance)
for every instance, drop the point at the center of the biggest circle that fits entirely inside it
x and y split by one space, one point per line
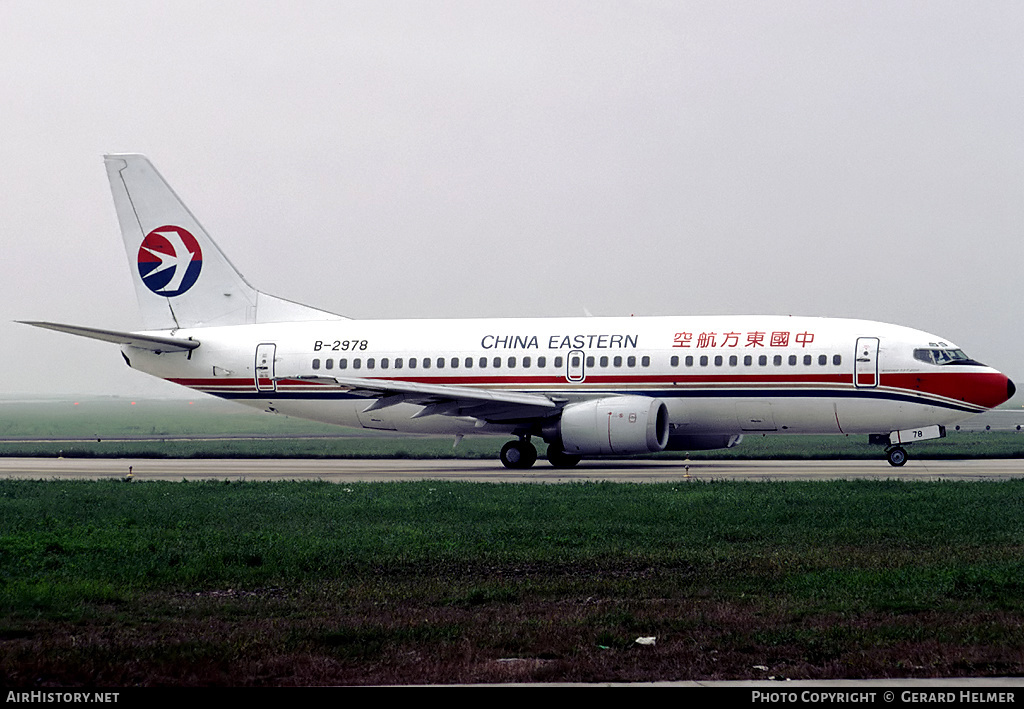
181 277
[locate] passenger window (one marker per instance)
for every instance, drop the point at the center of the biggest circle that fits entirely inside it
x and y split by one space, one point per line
371 363
590 361
342 364
316 364
733 360
357 363
718 360
455 362
511 362
440 363
747 360
777 360
558 362
412 363
483 363
822 360
645 361
526 362
792 360
631 361
426 362
385 363
398 363
674 361
469 362
689 360
763 360
808 360
542 362
329 364
837 360
496 362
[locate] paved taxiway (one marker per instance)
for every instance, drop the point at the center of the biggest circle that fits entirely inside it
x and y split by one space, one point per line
636 471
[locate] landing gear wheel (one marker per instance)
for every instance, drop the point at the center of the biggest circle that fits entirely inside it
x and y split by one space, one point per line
559 458
518 454
896 456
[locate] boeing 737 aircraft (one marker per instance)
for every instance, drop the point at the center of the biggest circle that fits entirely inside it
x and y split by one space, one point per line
585 386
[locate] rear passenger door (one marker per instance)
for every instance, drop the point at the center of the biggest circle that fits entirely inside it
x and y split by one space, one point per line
264 371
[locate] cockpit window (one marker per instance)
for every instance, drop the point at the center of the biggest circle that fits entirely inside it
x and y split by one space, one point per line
943 356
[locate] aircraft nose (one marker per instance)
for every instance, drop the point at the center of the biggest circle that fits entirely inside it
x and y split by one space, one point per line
989 389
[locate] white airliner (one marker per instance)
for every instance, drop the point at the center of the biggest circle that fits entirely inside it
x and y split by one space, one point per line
585 386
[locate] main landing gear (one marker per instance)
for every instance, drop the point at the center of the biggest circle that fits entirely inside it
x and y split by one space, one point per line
522 454
559 458
518 454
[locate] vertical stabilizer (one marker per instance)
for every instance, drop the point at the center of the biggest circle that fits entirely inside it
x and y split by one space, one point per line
181 277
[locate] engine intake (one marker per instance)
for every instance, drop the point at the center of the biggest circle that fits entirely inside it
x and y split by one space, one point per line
616 425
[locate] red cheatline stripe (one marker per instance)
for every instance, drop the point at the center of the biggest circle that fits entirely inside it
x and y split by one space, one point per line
983 389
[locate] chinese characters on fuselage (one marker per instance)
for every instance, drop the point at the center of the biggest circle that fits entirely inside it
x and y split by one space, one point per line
757 338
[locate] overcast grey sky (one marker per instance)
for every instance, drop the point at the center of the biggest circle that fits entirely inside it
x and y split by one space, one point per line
433 159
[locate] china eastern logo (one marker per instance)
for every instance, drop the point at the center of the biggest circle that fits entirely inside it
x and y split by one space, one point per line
170 260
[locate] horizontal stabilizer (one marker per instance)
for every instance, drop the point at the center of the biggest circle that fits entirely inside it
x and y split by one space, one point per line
154 343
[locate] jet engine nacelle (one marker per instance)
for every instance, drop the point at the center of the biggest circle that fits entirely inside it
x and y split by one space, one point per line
616 425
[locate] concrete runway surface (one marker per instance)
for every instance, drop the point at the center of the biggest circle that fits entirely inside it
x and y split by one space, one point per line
636 471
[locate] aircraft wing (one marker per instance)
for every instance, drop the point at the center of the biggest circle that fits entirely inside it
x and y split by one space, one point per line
146 342
436 399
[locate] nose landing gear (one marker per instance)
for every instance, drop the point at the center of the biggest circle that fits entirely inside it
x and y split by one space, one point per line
896 456
895 453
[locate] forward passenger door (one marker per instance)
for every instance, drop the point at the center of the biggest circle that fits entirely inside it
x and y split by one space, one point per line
865 364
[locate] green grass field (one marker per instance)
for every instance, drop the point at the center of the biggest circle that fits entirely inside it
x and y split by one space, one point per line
112 584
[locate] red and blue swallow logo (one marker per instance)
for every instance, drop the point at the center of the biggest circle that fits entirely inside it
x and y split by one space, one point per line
170 260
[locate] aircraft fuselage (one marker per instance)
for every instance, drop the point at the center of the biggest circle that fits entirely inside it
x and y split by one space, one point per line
716 374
